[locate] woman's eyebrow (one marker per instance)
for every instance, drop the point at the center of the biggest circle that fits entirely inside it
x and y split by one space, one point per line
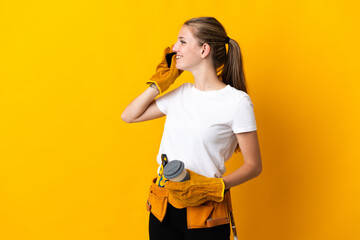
182 37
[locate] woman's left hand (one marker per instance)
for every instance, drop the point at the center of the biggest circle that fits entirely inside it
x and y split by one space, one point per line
198 190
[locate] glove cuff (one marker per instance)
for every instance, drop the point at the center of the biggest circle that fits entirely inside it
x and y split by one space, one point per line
223 192
157 85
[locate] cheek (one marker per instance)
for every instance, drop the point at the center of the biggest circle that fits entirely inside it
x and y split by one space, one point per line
193 58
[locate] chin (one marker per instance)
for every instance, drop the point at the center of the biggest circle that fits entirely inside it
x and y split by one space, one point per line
179 68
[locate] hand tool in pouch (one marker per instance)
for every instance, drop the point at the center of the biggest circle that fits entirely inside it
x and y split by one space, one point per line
232 222
233 225
160 181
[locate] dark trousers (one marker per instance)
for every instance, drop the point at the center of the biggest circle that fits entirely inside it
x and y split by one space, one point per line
174 227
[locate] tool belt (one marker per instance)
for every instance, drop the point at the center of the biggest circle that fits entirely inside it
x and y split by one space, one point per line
208 214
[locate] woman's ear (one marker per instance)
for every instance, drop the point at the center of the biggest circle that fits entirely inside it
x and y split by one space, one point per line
205 49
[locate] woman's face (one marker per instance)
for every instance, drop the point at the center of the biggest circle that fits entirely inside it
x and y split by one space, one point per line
187 49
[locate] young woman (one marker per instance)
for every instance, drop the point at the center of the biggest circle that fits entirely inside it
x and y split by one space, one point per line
205 123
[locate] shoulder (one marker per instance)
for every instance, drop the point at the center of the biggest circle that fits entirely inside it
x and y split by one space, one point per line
239 94
186 85
183 87
178 89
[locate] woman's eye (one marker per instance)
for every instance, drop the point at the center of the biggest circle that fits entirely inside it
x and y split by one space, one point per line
182 41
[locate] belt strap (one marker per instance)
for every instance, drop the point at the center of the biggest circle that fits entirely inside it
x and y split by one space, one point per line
217 221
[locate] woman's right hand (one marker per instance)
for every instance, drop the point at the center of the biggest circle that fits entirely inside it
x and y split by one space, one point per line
164 75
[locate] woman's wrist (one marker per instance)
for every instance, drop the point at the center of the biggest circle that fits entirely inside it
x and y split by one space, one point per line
226 185
153 85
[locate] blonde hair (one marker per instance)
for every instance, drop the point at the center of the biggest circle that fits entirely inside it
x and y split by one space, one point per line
228 65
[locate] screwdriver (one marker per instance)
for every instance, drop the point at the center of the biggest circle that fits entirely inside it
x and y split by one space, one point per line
160 181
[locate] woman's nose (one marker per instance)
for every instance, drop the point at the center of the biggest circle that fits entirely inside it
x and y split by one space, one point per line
175 48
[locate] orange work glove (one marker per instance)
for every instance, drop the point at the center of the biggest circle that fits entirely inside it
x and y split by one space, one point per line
164 75
196 191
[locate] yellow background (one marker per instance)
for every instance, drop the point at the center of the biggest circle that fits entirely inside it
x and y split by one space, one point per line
69 68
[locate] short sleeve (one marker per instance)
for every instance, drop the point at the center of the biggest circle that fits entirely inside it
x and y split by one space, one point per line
244 118
167 100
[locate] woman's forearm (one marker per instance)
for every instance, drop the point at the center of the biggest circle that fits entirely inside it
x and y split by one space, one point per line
241 175
137 107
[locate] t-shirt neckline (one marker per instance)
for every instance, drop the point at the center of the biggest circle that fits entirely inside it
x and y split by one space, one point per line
211 92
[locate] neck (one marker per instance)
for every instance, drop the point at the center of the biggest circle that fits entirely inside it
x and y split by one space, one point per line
207 80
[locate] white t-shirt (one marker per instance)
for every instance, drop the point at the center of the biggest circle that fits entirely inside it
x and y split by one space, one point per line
200 126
